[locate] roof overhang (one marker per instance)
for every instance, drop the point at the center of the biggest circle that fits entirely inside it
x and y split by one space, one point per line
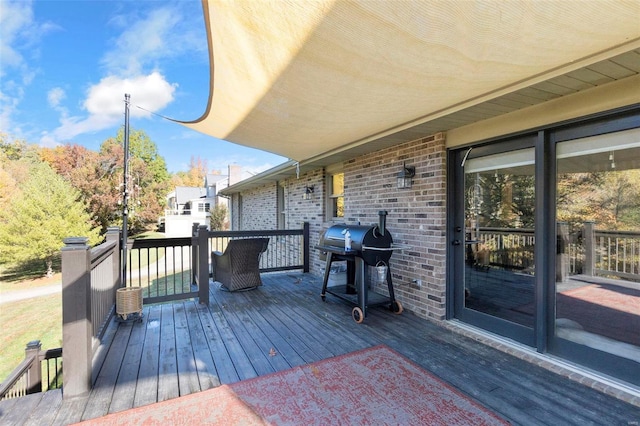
315 81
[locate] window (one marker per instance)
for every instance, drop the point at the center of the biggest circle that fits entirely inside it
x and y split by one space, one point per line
281 217
204 207
335 202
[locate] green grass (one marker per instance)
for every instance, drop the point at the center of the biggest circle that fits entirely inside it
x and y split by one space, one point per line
26 320
140 258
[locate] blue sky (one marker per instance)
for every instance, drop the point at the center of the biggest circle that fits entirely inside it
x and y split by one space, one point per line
66 65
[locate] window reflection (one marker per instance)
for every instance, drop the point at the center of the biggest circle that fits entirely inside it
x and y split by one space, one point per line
499 235
598 250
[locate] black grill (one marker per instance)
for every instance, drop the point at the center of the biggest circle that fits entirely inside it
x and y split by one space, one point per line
366 246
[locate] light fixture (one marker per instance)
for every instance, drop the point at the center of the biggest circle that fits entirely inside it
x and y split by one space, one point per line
307 192
405 176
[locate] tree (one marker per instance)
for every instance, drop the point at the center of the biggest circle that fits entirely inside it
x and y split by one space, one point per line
194 177
47 210
148 179
218 220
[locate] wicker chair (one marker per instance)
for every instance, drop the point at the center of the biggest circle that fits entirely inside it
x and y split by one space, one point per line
238 268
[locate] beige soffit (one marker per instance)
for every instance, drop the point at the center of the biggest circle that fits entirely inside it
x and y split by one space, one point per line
302 78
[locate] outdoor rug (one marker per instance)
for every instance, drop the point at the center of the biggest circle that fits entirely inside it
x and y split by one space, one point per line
374 386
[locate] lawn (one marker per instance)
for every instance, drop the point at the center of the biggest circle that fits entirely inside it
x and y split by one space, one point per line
26 320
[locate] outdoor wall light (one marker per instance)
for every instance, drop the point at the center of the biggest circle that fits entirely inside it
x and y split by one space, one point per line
405 176
307 192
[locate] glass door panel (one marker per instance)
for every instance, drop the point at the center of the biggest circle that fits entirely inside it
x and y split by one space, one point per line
597 288
499 206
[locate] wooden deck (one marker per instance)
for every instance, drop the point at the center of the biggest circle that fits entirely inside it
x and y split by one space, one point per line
182 347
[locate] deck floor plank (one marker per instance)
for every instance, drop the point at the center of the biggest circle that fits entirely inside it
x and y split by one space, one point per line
45 411
186 359
203 360
102 392
284 334
147 384
224 365
241 361
70 411
257 356
303 340
229 340
168 384
125 388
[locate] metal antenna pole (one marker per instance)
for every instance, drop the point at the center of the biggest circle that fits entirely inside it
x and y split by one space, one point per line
125 193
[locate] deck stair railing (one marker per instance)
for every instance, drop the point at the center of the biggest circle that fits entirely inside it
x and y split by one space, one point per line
27 377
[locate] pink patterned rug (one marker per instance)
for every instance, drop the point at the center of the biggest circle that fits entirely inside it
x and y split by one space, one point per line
372 386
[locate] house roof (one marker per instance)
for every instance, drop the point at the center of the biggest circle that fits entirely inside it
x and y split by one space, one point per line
322 81
186 193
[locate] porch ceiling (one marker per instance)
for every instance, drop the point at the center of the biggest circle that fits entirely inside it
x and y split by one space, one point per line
327 79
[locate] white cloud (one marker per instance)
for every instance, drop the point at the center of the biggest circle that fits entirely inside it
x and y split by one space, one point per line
164 33
105 104
15 17
152 92
55 96
19 35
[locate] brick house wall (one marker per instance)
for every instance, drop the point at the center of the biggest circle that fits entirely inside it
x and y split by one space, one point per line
416 216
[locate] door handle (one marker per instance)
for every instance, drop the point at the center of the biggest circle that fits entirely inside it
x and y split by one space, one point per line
456 242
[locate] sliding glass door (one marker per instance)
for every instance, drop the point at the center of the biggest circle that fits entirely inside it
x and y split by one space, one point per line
597 289
545 240
495 242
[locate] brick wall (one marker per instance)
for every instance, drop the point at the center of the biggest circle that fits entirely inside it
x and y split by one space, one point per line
259 206
416 216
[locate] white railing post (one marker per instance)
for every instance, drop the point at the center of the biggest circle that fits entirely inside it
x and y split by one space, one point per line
562 255
589 248
77 333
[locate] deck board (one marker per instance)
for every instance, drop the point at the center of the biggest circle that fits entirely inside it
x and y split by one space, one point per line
125 387
203 361
186 360
147 383
168 383
185 347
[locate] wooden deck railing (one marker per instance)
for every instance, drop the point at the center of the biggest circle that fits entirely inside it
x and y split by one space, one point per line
161 267
28 376
611 253
287 250
166 268
90 278
169 268
591 251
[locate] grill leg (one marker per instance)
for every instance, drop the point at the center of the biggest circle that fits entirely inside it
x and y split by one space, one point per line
392 296
327 270
361 285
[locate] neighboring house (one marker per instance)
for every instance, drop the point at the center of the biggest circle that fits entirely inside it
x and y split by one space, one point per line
188 205
501 109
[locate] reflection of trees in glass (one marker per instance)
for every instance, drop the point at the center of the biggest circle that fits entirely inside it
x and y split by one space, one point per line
501 200
610 199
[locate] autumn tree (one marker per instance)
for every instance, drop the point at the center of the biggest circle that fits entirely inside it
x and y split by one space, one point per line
148 179
45 211
194 177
